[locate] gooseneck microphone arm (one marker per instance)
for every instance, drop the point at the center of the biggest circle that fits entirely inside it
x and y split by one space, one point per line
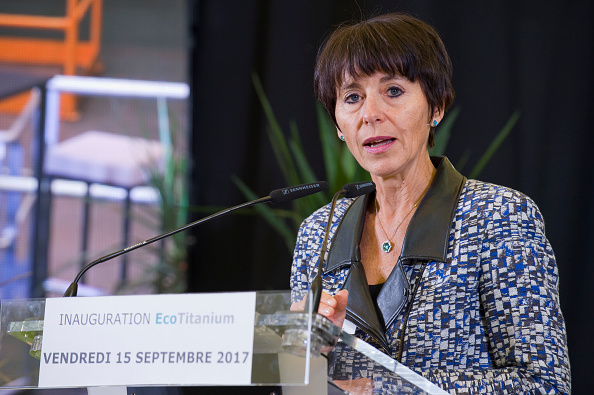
276 196
72 289
349 191
316 284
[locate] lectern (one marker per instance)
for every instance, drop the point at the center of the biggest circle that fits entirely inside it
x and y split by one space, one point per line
220 339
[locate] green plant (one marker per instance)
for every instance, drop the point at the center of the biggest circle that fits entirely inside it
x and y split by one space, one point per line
443 136
339 165
169 179
170 271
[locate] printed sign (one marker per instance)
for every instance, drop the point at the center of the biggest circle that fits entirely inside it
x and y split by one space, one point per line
189 339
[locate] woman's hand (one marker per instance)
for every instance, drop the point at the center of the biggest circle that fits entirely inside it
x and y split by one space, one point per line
356 386
331 307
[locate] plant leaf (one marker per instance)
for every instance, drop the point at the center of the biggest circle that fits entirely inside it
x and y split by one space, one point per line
269 215
275 134
330 147
306 173
442 136
478 168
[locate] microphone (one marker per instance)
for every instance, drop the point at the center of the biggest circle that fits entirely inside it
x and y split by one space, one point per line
296 192
277 196
349 191
355 189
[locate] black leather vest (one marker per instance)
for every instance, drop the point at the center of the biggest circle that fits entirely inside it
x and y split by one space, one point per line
426 240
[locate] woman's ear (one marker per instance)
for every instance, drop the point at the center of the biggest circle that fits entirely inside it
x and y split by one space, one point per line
438 115
436 118
340 135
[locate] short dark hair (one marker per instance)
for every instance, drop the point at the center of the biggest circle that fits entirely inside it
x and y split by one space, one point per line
391 43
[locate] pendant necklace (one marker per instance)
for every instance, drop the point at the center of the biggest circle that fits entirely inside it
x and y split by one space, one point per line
387 245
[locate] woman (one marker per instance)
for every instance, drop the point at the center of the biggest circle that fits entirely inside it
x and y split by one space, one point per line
453 277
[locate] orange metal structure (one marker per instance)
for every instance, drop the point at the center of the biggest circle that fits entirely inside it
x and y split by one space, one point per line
75 57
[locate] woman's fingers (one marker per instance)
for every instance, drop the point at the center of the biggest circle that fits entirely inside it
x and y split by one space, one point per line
331 307
334 307
341 298
298 306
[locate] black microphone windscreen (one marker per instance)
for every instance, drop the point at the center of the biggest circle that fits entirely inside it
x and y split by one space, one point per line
298 191
355 189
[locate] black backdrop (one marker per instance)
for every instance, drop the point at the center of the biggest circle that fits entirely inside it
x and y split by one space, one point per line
533 56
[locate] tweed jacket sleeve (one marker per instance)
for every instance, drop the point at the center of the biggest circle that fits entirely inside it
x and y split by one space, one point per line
487 319
517 283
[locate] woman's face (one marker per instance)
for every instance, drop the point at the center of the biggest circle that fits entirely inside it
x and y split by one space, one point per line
383 119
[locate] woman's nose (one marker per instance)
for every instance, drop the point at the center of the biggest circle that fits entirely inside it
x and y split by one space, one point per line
372 110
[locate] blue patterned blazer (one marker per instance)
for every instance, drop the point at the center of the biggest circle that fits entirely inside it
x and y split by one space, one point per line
481 311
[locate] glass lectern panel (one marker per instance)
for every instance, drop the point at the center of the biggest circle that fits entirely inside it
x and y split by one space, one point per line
373 371
21 333
286 344
281 342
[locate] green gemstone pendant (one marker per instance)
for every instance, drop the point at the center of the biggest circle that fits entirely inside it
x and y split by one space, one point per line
387 246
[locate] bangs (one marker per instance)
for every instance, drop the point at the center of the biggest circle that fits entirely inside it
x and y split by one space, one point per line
367 52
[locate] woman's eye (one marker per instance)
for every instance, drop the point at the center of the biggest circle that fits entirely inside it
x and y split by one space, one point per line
352 98
394 91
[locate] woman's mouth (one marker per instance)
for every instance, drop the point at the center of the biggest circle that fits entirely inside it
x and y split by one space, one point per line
378 144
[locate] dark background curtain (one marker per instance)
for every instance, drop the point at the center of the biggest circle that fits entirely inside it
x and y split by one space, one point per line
531 56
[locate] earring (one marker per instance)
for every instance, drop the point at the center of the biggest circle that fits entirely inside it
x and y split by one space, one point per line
434 124
342 137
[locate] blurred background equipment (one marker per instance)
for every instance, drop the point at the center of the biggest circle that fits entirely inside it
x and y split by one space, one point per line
69 50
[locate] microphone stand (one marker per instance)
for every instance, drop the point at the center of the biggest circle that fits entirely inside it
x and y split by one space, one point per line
73 288
349 190
316 284
276 196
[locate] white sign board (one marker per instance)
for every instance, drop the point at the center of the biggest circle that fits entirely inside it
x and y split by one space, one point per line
189 339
